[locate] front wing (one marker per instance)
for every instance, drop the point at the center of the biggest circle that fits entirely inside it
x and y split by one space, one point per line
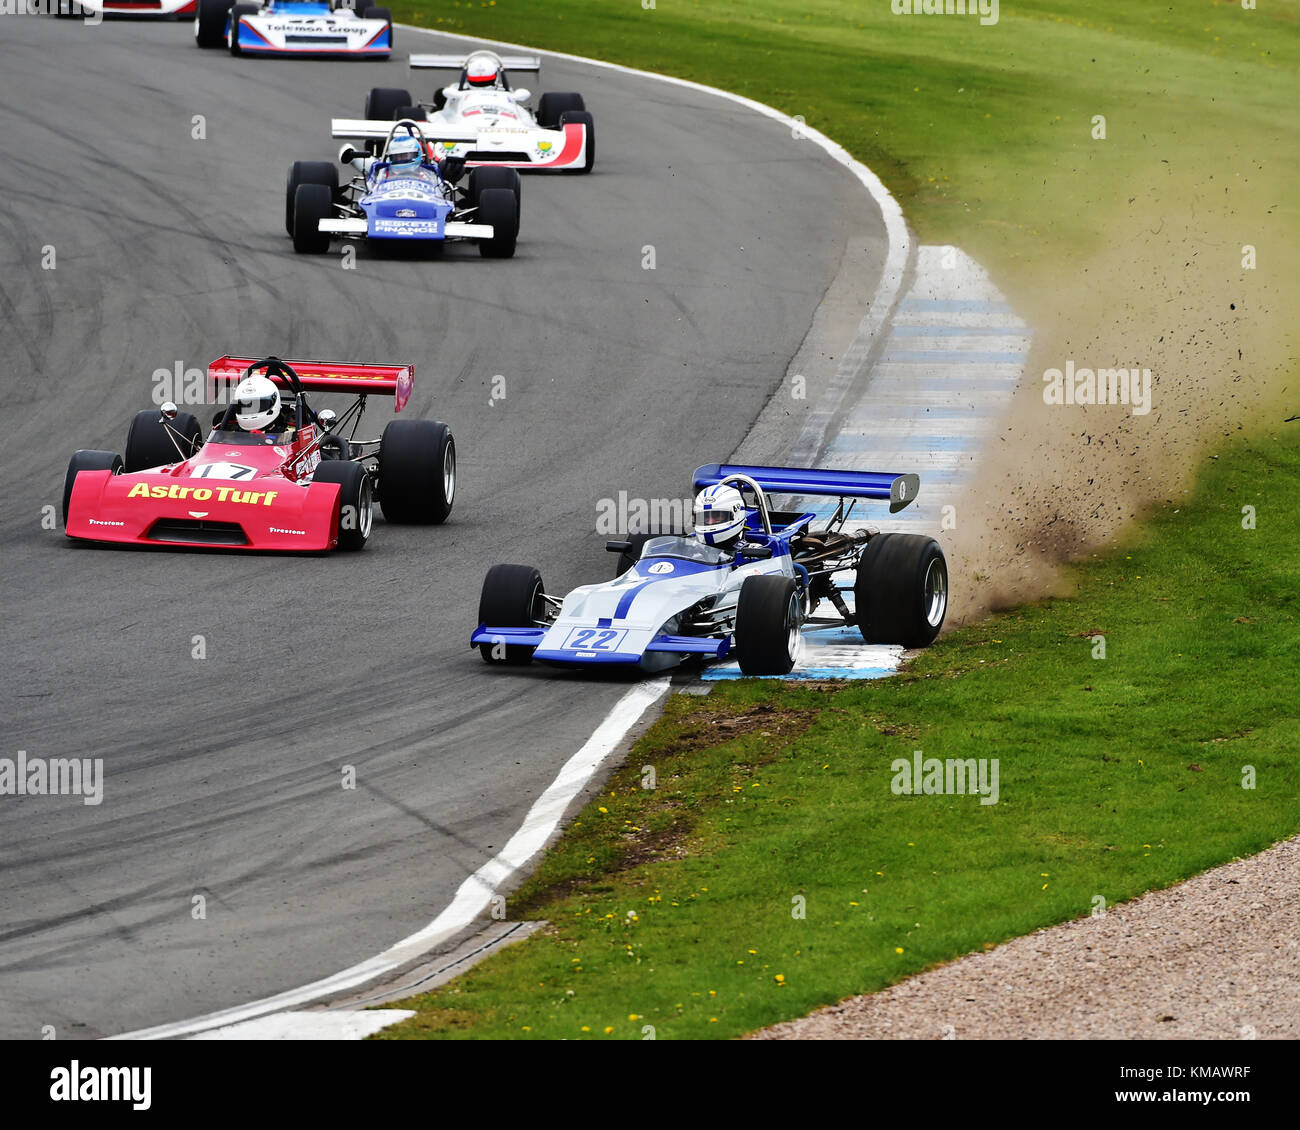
406 229
314 35
516 147
152 508
586 647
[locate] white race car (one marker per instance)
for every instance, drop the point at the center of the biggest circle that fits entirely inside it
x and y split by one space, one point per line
159 8
559 136
349 28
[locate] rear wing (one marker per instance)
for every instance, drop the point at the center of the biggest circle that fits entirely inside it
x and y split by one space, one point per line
323 376
457 62
366 129
900 490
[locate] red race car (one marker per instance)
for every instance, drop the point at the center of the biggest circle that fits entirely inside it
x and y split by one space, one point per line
274 473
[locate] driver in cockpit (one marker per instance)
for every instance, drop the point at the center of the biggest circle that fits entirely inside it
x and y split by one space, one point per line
719 516
259 407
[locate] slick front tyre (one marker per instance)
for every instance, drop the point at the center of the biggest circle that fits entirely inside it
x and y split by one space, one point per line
512 598
382 14
551 105
629 557
307 172
901 591
384 102
236 14
417 472
769 615
311 204
210 23
356 501
493 176
87 461
150 444
582 117
499 207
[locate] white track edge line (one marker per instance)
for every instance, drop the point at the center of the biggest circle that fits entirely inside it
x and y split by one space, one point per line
473 895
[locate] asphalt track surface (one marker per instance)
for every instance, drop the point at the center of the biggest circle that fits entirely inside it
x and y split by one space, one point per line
223 775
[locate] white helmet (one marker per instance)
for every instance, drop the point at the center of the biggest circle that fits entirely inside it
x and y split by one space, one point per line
719 514
257 403
481 69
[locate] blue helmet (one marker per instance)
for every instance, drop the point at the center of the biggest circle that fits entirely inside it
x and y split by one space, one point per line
403 153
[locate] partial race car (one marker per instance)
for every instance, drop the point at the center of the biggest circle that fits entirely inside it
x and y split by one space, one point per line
560 136
273 473
334 28
405 195
162 9
745 583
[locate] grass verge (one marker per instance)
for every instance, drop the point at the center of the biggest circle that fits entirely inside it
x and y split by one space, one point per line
678 907
985 134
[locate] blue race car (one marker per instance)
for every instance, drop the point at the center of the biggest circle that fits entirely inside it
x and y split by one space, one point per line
746 582
327 28
406 194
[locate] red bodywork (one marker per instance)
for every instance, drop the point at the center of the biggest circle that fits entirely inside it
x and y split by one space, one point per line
239 495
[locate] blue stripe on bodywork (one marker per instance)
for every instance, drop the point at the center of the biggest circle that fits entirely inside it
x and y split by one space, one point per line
625 601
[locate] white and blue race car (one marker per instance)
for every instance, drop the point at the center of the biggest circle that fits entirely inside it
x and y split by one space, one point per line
677 598
402 196
326 28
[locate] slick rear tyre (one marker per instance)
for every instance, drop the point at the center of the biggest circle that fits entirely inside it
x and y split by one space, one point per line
237 13
335 446
500 208
901 591
307 172
582 117
356 511
769 615
511 598
210 23
87 461
383 102
311 204
551 106
149 444
417 472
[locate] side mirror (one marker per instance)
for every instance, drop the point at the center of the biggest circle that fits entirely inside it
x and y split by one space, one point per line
754 552
347 155
327 419
521 95
168 411
618 547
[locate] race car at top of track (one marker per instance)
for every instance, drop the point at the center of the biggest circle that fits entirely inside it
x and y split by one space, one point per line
162 8
406 197
296 27
674 598
296 484
559 137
